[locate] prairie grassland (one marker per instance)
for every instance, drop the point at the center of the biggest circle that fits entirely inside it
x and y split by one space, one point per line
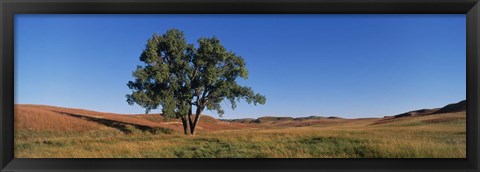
434 136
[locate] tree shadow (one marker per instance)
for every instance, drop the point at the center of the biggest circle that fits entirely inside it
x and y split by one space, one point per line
122 126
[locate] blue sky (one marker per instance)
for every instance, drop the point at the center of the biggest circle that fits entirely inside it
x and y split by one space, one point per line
330 65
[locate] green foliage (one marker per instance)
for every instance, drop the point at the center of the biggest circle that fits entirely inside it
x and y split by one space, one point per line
177 76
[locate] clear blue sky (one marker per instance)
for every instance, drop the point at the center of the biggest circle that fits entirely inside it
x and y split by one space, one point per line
331 65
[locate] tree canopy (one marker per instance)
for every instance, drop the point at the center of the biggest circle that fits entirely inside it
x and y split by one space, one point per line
177 76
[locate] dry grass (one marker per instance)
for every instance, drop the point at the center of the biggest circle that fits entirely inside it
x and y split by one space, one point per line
116 117
35 119
433 136
40 112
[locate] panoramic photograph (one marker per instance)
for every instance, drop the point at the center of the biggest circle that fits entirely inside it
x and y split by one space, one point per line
240 86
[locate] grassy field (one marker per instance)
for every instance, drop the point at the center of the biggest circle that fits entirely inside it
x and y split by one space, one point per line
63 136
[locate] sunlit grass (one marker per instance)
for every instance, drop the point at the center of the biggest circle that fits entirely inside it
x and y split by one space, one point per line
399 139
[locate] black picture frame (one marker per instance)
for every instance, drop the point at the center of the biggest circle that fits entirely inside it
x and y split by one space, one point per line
9 8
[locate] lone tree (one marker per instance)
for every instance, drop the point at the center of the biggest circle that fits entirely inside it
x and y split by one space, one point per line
178 76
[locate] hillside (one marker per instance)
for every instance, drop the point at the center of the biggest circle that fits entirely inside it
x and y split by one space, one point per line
55 132
58 119
450 108
454 107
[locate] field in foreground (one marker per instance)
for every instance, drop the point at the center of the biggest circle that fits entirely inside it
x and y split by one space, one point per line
53 132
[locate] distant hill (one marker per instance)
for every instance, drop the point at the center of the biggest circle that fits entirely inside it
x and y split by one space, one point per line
420 112
243 120
272 119
455 107
450 108
276 119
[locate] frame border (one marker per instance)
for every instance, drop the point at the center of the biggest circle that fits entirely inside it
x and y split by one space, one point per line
8 9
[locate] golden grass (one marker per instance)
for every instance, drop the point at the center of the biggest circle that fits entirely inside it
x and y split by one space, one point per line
411 137
45 113
35 119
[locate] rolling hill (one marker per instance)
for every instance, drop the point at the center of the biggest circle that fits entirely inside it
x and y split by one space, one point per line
59 119
57 132
450 108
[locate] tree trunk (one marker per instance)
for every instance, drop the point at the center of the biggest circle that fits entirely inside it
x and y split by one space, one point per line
185 125
195 122
190 122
